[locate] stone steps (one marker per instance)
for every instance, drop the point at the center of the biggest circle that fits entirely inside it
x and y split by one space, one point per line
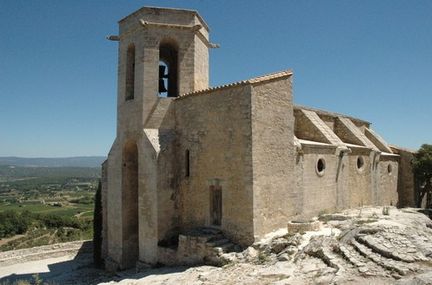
221 245
351 255
205 245
216 236
210 231
218 242
363 264
214 246
226 247
387 263
322 249
380 246
335 261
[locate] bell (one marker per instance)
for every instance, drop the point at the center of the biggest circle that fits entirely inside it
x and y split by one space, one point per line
162 75
162 71
162 88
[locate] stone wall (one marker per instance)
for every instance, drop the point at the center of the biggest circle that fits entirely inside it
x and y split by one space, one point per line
113 197
167 188
319 189
388 178
201 65
147 203
359 178
355 174
342 184
274 193
305 128
148 196
216 129
405 177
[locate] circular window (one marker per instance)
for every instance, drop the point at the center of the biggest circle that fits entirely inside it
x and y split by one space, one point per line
320 166
389 168
360 163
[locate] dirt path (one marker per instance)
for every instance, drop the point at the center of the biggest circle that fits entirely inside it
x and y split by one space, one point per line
63 263
32 267
82 213
6 240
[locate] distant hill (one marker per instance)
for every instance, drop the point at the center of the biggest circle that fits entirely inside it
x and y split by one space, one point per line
12 172
78 161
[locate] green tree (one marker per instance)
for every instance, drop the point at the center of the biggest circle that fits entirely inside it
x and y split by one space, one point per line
97 228
13 222
422 164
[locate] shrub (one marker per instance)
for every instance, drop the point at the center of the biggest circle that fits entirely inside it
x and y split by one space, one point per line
422 164
97 228
12 223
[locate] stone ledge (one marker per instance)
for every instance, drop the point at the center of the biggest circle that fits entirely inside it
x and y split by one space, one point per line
300 226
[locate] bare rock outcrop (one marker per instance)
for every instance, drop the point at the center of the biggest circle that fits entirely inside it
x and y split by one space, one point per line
358 246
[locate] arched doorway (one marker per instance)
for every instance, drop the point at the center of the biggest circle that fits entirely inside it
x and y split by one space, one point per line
130 205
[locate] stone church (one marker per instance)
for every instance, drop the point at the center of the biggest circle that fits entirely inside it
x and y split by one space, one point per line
240 158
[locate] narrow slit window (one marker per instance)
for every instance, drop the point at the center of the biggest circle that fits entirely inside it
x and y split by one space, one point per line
187 163
130 73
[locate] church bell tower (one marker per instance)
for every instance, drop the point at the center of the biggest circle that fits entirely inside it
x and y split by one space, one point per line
163 53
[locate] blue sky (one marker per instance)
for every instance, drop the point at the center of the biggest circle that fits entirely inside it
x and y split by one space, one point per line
369 59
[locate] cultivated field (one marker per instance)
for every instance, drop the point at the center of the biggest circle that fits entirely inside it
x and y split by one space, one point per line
45 205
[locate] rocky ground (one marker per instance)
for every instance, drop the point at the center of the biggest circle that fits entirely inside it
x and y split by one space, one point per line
359 246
